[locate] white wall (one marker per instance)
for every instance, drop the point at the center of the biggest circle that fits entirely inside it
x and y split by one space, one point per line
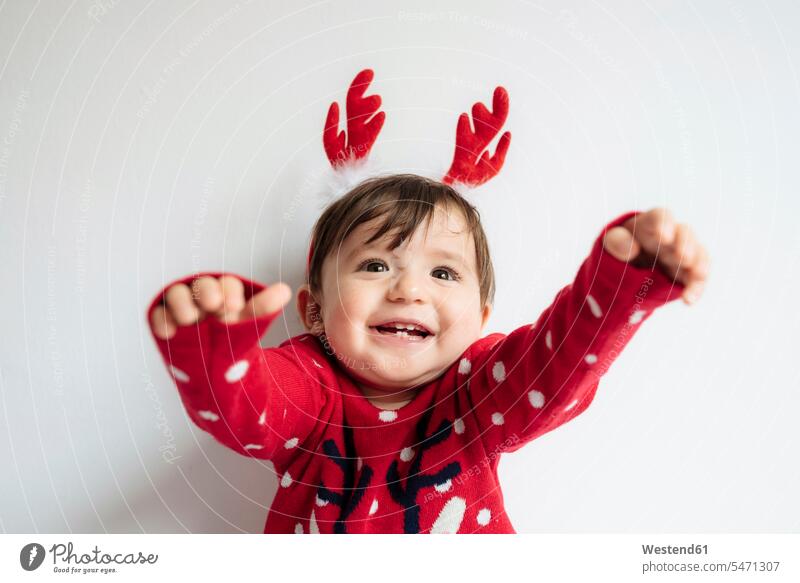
143 141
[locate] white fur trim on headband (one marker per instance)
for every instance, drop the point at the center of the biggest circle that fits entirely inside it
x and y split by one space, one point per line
336 182
329 184
472 194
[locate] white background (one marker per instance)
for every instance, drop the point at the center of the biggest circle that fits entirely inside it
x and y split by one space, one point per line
142 141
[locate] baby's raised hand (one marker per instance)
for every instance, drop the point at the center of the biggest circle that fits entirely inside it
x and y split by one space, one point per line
222 298
654 235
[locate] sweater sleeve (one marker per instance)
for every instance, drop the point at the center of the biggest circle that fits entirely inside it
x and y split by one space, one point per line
540 376
258 402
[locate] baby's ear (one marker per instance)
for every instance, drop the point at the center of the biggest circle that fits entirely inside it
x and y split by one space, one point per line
309 310
487 311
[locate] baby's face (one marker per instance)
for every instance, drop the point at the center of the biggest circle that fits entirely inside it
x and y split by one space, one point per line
369 292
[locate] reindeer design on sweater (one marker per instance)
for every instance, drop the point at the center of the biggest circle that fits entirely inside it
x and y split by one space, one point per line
347 500
405 491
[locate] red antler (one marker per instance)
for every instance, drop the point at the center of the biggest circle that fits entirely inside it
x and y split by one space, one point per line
471 165
361 130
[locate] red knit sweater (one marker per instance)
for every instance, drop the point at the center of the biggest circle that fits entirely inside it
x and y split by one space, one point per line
345 465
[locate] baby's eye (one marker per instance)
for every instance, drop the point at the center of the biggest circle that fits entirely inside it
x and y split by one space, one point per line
449 274
373 265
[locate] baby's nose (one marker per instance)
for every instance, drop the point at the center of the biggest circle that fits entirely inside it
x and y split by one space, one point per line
407 287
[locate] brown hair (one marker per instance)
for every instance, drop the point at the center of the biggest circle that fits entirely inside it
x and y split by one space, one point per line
404 201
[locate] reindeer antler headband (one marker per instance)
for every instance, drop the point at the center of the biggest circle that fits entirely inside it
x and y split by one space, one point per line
472 164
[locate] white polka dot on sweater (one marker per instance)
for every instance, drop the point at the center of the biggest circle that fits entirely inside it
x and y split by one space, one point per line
208 415
636 317
253 446
499 371
458 426
179 374
290 443
387 416
407 454
444 486
298 528
548 340
262 420
465 366
313 527
236 371
450 517
536 398
320 502
497 418
484 516
594 306
286 480
590 358
571 405
373 507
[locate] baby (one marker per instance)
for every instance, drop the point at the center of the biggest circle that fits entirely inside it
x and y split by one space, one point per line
391 413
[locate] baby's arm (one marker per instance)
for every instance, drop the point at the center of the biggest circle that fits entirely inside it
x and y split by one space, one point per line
259 402
542 375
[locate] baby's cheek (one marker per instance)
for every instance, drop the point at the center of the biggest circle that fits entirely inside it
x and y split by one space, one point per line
346 339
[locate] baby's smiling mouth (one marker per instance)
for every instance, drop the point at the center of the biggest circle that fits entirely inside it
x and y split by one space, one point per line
413 331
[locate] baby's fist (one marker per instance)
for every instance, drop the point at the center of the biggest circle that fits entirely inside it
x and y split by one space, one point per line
222 298
654 235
